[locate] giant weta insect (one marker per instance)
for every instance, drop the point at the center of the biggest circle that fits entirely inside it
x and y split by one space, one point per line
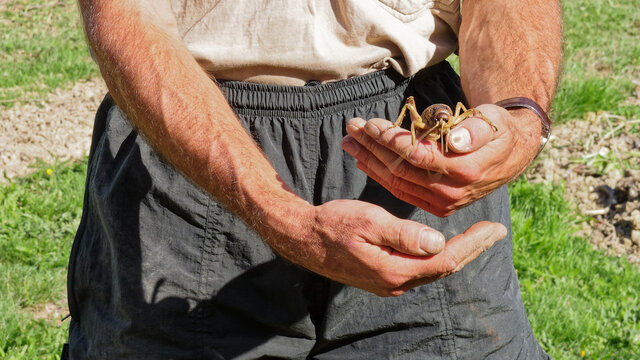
437 120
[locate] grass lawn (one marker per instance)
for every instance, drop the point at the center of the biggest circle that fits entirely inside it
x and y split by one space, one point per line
577 299
38 218
42 48
581 303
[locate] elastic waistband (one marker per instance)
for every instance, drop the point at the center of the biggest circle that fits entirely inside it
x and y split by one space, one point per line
310 101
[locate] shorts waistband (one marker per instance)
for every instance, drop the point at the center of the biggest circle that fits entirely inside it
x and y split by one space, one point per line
310 101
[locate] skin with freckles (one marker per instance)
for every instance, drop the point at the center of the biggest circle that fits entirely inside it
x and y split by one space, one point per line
507 49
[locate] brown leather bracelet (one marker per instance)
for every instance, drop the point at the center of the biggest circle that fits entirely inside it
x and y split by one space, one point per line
523 102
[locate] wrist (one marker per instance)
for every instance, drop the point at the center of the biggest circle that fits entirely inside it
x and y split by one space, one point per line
285 222
525 108
252 189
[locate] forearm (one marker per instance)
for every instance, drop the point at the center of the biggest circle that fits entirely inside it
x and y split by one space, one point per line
510 48
181 112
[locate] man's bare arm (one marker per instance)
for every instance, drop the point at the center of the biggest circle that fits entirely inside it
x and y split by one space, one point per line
155 80
172 101
508 48
512 48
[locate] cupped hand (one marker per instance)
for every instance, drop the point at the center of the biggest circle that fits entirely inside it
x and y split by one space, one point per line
363 245
479 160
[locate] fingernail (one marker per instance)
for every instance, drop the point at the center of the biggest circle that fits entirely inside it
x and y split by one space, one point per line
350 147
431 242
372 130
460 139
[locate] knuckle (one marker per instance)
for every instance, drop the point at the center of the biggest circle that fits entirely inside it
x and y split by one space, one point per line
399 170
367 157
439 212
369 142
422 156
407 237
395 182
469 173
387 137
366 142
391 282
370 214
455 194
396 292
449 265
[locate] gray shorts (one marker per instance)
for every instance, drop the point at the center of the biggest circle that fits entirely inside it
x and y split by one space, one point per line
160 270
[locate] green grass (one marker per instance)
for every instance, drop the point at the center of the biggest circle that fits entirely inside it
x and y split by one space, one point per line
38 218
42 47
602 58
576 298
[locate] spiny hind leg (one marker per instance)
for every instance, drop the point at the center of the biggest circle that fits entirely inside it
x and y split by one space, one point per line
413 113
458 117
459 107
400 117
408 104
413 133
416 119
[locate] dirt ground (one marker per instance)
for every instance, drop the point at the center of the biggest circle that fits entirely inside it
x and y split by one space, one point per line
55 130
589 157
582 154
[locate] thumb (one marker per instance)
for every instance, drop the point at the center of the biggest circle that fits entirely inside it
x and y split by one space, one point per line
409 237
473 133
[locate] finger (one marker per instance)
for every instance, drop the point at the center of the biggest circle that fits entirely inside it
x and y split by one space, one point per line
406 236
382 159
375 132
470 135
425 189
458 252
390 166
447 181
463 248
391 146
413 194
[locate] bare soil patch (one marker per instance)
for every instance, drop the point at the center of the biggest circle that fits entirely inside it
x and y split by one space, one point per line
53 130
595 159
587 156
52 312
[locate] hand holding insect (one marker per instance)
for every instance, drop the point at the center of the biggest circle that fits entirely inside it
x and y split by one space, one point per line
437 120
426 175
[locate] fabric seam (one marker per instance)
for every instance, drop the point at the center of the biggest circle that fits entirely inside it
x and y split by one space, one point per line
448 326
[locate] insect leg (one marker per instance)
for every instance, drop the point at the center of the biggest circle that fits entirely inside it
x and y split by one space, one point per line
459 106
401 116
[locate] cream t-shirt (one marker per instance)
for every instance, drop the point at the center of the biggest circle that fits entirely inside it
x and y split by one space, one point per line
291 42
